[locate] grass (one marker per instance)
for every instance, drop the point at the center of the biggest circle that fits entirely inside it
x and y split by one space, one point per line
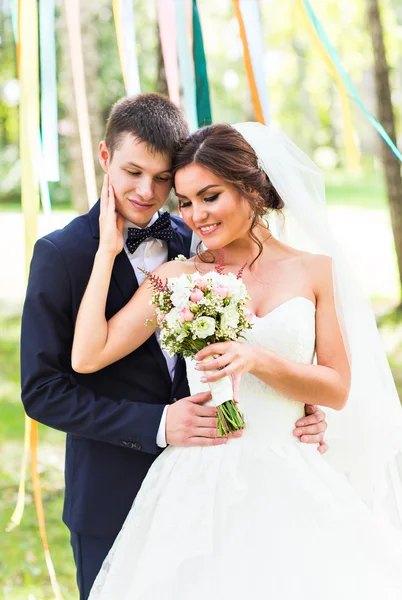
361 190
23 573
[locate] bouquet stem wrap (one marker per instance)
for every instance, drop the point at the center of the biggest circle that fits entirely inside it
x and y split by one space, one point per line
196 310
230 419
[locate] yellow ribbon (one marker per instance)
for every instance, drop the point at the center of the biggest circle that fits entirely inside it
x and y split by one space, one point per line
19 507
117 23
28 70
248 64
39 509
352 152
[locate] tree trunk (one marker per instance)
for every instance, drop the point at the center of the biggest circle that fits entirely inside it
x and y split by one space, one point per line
392 165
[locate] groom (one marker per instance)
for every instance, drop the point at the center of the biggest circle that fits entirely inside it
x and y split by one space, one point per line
119 419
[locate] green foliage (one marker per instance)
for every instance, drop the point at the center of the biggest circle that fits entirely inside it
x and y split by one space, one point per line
303 98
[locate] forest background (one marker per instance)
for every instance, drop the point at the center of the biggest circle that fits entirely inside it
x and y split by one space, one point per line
304 102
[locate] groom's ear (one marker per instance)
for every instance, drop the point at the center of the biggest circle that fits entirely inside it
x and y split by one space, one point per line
103 156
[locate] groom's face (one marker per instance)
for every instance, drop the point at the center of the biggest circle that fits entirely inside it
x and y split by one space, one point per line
141 178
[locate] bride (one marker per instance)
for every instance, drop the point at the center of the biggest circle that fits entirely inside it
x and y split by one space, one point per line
249 518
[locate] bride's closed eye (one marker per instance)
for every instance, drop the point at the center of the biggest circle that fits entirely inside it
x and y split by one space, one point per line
207 199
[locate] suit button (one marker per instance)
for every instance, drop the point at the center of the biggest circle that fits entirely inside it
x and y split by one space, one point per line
174 399
137 446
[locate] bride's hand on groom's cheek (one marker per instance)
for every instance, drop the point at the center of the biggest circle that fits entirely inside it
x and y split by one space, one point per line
189 423
311 428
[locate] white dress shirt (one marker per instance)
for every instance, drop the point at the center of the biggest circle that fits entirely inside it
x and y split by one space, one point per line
149 255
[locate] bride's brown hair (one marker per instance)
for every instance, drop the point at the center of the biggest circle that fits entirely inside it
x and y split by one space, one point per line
223 150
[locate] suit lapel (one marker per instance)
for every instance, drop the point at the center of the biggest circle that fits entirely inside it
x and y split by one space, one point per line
125 279
177 245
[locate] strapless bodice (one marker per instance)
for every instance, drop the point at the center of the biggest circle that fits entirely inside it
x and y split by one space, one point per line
288 331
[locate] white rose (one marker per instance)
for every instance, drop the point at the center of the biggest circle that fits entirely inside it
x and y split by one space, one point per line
203 327
230 317
181 290
172 319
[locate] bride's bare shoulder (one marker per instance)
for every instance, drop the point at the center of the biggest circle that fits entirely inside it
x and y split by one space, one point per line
318 268
318 264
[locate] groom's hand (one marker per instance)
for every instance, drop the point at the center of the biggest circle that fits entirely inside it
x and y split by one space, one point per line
311 428
189 423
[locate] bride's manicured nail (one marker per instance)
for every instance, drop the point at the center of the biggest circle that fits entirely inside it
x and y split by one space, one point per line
297 432
203 379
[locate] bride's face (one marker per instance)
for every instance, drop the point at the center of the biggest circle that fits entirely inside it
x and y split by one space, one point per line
211 207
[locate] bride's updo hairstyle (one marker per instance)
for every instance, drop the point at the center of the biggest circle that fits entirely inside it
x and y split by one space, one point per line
223 150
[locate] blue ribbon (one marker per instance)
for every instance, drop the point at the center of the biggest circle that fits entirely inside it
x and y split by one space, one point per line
50 140
334 56
14 18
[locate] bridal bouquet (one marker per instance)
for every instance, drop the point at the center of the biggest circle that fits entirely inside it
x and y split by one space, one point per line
196 310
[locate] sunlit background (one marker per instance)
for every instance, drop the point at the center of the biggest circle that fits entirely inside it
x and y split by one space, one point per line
304 100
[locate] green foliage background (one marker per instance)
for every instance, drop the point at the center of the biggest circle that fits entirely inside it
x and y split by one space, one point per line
304 101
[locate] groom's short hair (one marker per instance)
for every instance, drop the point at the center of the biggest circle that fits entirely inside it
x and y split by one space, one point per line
151 118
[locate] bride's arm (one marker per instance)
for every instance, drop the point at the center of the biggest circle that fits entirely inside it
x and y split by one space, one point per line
325 384
98 342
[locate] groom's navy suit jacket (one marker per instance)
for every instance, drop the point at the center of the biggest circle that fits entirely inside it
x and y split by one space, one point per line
111 417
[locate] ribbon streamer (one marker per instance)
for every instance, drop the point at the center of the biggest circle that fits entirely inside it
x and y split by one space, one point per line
43 181
185 65
252 25
167 32
40 165
28 69
13 4
352 153
74 36
334 57
201 76
248 64
48 88
124 18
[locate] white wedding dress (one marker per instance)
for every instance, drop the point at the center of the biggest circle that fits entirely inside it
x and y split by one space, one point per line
262 517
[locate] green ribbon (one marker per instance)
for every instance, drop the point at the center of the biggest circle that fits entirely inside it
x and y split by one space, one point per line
332 53
204 115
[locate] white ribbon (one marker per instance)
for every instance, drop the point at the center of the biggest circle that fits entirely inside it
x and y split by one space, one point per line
221 390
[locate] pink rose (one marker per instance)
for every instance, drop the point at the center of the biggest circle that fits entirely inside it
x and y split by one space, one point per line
222 291
202 284
186 315
196 295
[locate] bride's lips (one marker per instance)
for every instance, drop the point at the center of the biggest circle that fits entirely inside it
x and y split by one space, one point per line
208 229
140 205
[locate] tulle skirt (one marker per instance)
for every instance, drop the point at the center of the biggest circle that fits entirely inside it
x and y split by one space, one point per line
250 519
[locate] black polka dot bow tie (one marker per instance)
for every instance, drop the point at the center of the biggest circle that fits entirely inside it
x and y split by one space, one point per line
160 230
